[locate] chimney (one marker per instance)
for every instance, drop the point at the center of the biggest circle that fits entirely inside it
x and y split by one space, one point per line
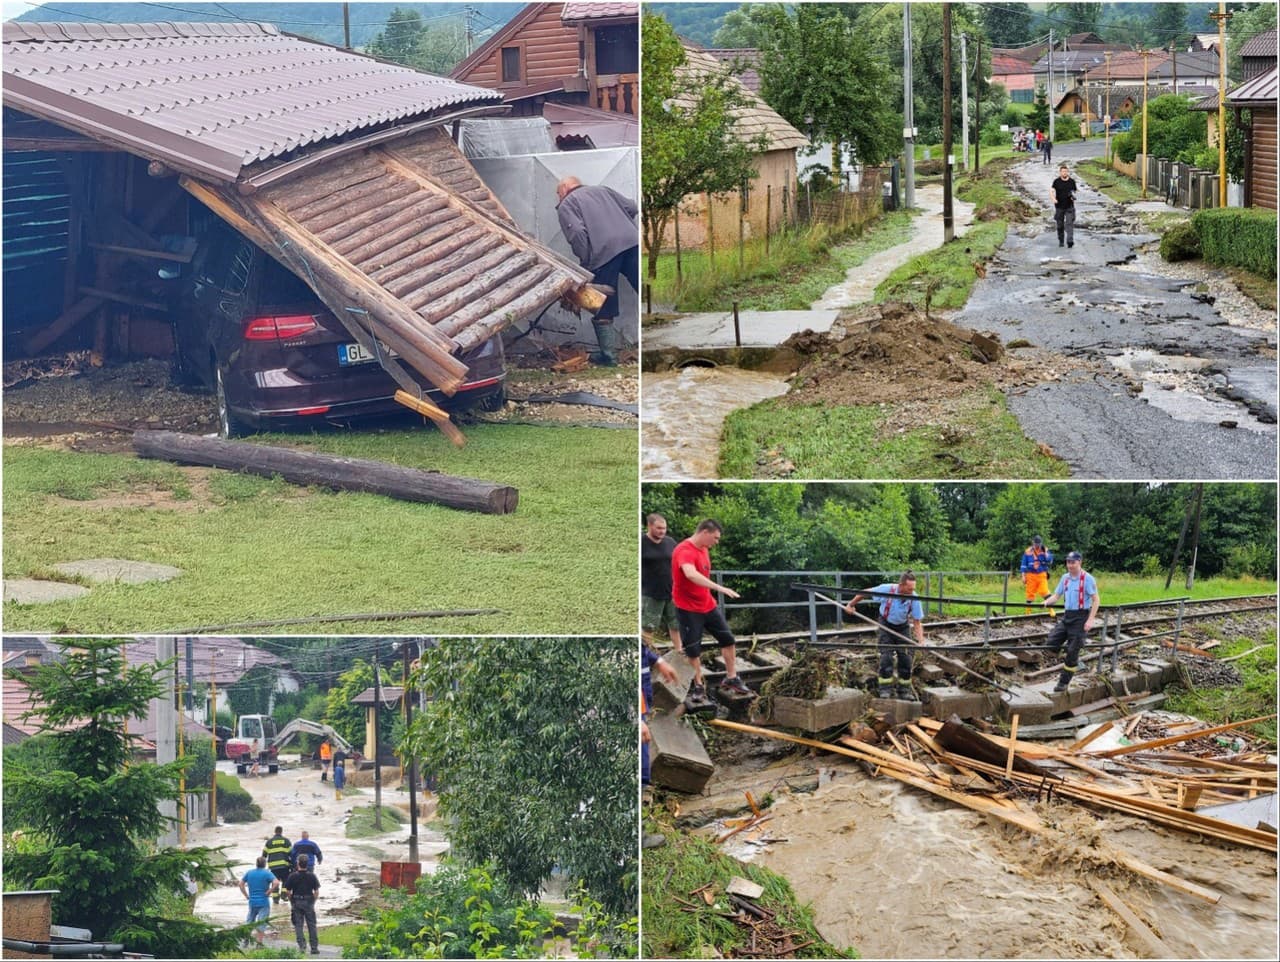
33 659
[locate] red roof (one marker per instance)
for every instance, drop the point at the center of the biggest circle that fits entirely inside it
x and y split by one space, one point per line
599 11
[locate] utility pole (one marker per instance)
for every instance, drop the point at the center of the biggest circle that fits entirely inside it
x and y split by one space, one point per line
1222 17
377 733
1106 118
948 160
410 653
1195 537
1173 54
964 99
346 25
908 111
977 108
213 723
1049 91
1144 53
471 35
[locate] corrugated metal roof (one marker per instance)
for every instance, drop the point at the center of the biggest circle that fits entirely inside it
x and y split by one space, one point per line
599 11
211 97
1263 45
1261 89
758 117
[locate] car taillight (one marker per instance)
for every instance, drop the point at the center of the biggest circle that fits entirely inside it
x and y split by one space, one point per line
278 327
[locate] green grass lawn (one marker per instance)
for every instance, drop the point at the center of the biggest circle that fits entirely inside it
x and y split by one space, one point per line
256 549
1106 179
975 437
944 277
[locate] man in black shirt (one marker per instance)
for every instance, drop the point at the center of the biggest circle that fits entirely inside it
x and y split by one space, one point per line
1064 205
657 610
304 888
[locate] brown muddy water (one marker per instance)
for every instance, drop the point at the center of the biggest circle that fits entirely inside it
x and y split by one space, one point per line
683 412
898 874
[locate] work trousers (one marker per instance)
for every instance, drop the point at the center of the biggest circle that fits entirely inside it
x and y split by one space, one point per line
304 911
1069 628
626 264
894 649
1065 218
1037 585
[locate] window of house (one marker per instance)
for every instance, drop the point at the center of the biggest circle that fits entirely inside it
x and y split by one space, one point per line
510 65
618 49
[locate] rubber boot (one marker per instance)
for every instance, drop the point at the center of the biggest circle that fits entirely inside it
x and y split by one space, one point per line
606 341
1064 681
905 693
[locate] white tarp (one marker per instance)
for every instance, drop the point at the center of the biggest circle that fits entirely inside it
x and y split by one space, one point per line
526 185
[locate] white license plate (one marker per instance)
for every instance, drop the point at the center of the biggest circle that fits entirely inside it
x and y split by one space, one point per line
349 354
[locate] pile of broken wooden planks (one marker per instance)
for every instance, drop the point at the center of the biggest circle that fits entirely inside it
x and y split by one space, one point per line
1003 778
766 937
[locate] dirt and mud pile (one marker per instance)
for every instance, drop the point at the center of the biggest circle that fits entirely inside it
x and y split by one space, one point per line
889 352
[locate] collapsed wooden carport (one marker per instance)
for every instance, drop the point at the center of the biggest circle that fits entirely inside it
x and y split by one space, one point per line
337 165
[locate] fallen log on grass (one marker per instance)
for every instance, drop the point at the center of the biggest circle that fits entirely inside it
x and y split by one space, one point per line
329 471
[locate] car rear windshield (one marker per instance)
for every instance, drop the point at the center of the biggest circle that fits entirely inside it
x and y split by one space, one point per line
282 286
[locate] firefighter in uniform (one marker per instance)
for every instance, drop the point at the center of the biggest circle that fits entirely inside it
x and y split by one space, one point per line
1079 593
276 852
1036 562
904 615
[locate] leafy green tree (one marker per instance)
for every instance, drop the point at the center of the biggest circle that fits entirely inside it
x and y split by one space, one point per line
251 695
1017 513
688 137
1007 24
92 818
533 743
930 530
1167 24
820 73
440 48
1247 21
347 718
1174 130
1038 116
400 37
744 26
1075 17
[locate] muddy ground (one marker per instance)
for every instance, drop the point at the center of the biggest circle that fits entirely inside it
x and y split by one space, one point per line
896 873
296 799
65 401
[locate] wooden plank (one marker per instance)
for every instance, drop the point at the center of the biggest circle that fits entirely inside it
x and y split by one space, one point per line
63 323
439 417
1013 741
515 274
350 474
1188 795
863 751
1174 739
1150 941
1091 737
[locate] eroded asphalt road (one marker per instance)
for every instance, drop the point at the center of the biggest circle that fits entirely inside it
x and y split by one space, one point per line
1168 387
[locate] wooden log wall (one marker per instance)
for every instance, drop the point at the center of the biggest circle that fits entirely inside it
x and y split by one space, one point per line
548 51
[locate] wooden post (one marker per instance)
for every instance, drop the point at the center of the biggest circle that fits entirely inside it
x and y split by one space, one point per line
768 211
711 235
679 264
742 226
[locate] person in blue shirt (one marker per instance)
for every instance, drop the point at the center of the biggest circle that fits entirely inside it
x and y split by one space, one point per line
304 846
1036 562
1079 594
257 886
904 615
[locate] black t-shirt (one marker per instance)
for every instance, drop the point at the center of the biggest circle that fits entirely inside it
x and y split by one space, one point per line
655 567
1063 192
302 885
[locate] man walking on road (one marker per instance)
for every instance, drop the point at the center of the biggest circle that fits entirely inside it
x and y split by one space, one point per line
656 610
696 610
1063 191
304 846
1080 606
1036 562
901 614
1046 147
258 885
304 888
600 225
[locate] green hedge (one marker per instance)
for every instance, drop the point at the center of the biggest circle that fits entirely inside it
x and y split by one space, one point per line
1180 243
234 803
1238 237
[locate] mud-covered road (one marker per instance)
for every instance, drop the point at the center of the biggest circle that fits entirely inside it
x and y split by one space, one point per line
1173 382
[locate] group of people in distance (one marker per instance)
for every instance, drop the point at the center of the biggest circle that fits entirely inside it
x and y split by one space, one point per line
1026 141
676 597
285 870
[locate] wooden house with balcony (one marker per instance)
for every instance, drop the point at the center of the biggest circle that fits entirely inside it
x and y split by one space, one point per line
585 55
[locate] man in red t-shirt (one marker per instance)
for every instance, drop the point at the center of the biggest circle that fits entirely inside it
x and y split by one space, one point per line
696 610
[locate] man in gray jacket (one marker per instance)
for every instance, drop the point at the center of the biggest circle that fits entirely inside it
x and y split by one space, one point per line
599 224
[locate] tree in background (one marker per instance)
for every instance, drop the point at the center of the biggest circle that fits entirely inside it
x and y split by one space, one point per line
1007 24
347 718
1019 512
1167 25
1174 131
744 27
1075 17
1038 116
820 74
91 819
688 137
1247 21
533 742
398 40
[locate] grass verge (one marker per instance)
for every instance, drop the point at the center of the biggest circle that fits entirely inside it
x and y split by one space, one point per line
1261 290
944 277
687 863
1254 697
973 436
256 548
361 822
798 269
1109 181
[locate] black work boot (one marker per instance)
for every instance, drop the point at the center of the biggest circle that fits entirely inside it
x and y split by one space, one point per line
1064 682
905 693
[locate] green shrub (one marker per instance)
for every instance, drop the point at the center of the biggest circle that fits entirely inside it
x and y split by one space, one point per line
1238 237
1125 146
1180 243
234 803
1206 159
1255 559
200 770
